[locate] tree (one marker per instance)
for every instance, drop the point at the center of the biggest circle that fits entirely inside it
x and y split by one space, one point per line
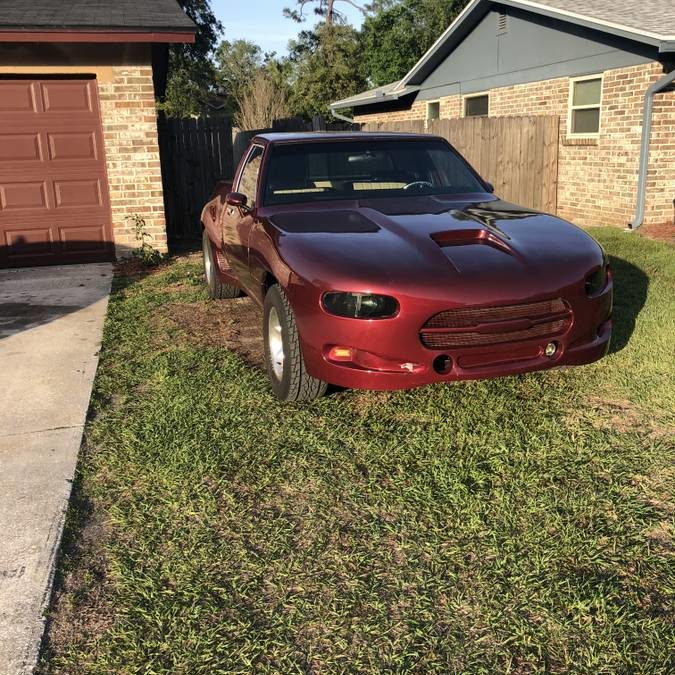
396 33
260 103
238 62
326 9
324 68
191 72
323 61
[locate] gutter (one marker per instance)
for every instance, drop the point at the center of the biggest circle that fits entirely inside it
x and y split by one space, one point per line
655 88
96 35
339 116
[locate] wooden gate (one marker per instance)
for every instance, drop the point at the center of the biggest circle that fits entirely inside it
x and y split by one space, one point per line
195 155
518 155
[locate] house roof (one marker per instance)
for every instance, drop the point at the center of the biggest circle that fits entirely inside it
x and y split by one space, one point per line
160 19
648 16
387 92
650 22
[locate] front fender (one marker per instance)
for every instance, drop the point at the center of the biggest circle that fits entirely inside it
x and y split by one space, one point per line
264 260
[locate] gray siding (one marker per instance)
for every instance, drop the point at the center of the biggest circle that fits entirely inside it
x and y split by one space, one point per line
531 49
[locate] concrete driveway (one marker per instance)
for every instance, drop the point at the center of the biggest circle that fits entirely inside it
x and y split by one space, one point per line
51 319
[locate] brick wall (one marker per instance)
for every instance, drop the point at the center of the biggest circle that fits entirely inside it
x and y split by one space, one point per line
597 178
661 176
129 121
418 111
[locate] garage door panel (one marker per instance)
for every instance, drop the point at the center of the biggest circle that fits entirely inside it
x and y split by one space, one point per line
70 193
68 97
54 202
22 195
67 145
89 237
23 243
19 147
18 97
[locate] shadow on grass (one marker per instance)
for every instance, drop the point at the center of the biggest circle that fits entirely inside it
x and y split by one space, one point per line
185 246
630 294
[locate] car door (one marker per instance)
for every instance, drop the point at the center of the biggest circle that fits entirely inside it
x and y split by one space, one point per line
238 222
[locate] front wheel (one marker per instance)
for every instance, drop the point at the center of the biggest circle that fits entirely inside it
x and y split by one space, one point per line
283 357
218 290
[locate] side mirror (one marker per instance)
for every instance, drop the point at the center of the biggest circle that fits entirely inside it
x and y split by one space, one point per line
236 199
221 190
489 186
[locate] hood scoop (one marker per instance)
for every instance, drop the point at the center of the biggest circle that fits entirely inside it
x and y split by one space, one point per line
471 236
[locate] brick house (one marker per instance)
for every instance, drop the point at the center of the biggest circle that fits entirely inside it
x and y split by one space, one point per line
604 67
78 125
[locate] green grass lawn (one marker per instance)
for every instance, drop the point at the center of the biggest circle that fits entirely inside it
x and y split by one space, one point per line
512 526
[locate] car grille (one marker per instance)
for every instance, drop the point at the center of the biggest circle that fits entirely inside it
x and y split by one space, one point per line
479 326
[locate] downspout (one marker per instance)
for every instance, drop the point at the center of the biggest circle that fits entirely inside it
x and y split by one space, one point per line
339 116
655 88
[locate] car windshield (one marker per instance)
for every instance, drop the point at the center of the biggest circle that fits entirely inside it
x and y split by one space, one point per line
329 170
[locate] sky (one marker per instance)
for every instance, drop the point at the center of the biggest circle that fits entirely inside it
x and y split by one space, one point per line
263 22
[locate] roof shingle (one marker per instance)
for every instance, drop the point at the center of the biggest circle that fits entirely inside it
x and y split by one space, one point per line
651 16
124 15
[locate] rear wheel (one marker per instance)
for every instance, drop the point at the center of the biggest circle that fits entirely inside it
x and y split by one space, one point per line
218 290
283 357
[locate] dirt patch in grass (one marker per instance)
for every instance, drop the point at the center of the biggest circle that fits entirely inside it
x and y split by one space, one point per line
662 534
660 232
657 489
80 605
625 416
230 324
618 415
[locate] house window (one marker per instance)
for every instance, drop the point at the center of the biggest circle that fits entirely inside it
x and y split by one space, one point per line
433 110
477 105
584 108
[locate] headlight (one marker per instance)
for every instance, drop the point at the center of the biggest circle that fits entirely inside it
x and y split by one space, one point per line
360 305
596 281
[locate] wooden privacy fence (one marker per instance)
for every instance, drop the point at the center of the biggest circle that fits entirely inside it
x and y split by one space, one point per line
195 155
518 155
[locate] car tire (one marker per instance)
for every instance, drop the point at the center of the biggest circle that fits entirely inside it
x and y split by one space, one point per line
218 290
283 355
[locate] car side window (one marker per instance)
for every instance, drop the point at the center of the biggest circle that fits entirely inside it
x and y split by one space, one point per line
248 182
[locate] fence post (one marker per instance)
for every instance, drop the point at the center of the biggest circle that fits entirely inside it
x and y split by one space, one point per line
318 123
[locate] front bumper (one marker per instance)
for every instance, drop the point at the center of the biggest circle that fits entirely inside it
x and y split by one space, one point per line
390 354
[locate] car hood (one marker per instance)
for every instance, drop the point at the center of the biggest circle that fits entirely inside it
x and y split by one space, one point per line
483 247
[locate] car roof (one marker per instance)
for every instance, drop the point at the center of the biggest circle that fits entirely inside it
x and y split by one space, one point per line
275 138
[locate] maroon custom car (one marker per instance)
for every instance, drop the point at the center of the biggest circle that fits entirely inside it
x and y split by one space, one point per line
384 261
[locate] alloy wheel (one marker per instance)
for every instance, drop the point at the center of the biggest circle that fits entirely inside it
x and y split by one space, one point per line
275 343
